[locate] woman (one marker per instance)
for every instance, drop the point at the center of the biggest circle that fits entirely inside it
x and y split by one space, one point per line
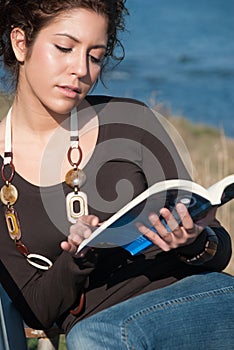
56 51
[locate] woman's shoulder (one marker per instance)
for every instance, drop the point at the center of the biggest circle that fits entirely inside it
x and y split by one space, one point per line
103 99
114 109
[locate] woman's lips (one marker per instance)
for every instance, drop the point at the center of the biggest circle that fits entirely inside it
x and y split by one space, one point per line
69 91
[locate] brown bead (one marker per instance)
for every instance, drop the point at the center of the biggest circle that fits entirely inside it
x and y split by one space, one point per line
22 249
9 194
75 178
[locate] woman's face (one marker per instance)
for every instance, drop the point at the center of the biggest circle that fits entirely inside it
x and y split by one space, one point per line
65 61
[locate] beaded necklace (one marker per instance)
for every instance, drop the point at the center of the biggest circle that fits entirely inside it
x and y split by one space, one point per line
76 201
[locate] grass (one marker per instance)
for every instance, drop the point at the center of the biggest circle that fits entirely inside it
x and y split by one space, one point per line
33 343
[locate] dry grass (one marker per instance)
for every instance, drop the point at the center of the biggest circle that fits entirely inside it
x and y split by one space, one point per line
5 102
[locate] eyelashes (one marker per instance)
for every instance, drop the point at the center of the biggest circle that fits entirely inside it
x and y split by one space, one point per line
63 49
96 60
92 58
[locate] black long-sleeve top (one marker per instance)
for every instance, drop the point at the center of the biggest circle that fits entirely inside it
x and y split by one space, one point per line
133 151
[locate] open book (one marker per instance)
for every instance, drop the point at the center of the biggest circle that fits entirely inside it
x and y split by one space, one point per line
120 229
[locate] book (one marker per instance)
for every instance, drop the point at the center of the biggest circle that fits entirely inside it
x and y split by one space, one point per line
120 229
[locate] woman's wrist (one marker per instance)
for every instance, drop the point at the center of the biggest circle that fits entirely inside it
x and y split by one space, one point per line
209 251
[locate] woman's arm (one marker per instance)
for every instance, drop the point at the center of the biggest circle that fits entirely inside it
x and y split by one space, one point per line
41 297
161 161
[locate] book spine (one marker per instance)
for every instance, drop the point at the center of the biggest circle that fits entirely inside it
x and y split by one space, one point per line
138 245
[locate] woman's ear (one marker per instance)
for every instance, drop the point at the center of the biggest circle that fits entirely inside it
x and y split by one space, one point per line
18 42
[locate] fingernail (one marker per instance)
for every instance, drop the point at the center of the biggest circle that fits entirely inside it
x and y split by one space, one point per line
180 208
153 217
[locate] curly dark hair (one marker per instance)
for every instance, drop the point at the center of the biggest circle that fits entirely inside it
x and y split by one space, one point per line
33 15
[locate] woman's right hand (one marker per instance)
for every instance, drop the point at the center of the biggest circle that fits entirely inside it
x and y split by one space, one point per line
81 230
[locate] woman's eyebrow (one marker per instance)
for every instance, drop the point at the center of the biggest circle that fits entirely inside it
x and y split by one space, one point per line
98 46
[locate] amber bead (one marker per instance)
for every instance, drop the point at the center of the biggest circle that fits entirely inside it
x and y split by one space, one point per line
75 178
9 194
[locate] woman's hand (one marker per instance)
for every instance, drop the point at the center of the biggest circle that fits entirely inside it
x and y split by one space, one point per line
81 230
175 236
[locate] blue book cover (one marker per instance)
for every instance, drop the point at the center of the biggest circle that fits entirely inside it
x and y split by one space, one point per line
120 230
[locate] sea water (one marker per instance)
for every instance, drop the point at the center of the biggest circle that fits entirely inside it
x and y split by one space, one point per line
179 53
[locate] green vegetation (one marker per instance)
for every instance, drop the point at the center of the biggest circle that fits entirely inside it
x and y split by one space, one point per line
33 343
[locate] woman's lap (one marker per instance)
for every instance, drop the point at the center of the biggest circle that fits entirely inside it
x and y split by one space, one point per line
197 312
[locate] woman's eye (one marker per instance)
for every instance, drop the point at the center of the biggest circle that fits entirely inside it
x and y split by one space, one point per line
95 60
63 49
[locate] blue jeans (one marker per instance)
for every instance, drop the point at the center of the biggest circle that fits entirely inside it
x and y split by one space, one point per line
12 336
194 313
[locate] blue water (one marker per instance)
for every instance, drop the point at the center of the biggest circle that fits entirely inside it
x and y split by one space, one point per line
180 53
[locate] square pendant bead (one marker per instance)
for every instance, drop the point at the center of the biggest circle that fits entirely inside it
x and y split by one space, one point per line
77 206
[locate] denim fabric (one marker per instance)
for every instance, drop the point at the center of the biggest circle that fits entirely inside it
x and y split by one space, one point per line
12 336
194 313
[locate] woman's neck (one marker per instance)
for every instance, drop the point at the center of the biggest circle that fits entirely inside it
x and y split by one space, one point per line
36 122
39 140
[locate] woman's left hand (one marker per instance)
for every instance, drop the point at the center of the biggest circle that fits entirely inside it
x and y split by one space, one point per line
81 230
175 236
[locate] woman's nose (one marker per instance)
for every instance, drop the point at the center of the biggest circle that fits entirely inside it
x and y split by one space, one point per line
80 65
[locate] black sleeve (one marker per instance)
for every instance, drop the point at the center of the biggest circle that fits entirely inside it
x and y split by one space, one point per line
224 249
41 297
160 157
